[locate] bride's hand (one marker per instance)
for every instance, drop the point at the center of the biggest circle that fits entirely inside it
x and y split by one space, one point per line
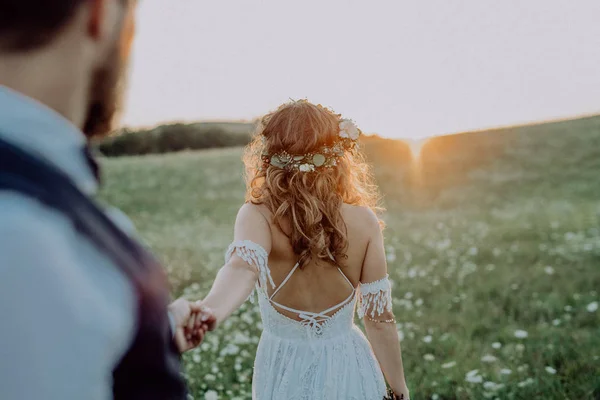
204 320
401 394
183 314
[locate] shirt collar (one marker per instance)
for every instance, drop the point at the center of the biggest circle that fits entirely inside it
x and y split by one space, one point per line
37 129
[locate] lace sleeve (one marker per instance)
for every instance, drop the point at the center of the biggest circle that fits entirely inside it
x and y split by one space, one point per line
255 255
375 298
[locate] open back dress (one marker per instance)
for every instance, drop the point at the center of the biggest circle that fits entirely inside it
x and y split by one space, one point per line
319 356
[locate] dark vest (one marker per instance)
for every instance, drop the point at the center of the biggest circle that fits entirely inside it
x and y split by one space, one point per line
150 370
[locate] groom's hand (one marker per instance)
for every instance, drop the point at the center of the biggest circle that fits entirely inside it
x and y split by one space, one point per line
189 330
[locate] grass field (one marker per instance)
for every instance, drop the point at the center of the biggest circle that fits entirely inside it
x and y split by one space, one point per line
493 244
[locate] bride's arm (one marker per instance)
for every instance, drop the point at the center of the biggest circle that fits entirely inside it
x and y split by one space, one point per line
237 278
377 310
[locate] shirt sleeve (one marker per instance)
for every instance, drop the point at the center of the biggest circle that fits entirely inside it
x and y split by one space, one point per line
38 346
57 340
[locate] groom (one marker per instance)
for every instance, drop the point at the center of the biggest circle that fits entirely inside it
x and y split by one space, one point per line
83 307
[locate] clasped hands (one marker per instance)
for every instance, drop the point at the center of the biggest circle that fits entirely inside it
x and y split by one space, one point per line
191 323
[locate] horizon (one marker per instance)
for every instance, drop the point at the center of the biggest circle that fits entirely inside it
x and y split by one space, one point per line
409 72
419 140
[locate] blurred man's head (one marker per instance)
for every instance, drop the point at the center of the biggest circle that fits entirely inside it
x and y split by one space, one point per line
100 30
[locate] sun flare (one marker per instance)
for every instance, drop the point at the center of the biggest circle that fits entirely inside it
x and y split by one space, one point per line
416 147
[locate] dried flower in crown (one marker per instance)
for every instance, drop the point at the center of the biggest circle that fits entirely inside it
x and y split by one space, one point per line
325 157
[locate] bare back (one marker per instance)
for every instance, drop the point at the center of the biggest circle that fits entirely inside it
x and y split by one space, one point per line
317 286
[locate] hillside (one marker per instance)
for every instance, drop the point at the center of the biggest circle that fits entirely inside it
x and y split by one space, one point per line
488 234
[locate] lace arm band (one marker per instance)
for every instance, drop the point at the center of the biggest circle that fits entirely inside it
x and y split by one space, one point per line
375 298
256 256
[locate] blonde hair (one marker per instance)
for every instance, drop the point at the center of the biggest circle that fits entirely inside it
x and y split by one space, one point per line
310 201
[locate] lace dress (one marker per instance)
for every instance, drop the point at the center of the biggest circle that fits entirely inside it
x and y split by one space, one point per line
322 356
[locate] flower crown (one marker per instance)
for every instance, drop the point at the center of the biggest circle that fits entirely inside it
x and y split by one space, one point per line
325 157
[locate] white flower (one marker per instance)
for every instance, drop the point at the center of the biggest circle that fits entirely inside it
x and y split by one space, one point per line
349 130
549 270
550 370
211 395
427 339
556 322
592 307
491 386
505 371
473 372
306 167
474 377
449 364
522 368
488 358
526 382
496 345
429 357
435 396
520 334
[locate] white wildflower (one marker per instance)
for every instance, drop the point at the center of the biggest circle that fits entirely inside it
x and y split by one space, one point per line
429 357
549 270
427 339
496 345
556 322
488 358
505 371
449 364
526 382
550 370
592 307
492 386
474 377
521 334
523 368
211 395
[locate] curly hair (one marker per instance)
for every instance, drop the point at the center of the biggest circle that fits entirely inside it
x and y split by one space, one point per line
310 202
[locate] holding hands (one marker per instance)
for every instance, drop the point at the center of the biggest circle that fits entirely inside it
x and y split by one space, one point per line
191 322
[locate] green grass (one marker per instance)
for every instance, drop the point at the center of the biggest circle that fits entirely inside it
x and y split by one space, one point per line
488 233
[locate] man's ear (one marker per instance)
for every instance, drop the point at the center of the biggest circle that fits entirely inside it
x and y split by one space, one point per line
96 18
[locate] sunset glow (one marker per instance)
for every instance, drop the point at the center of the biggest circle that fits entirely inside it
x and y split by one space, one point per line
411 69
416 147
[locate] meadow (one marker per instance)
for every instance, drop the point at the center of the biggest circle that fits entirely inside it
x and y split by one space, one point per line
493 245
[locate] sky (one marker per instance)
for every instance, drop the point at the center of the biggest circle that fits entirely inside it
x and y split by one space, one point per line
399 68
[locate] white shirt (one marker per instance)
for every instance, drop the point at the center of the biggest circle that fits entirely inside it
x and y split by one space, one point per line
67 314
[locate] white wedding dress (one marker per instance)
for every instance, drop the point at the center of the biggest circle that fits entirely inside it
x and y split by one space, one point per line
322 356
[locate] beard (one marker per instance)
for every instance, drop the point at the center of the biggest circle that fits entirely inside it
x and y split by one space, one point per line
106 97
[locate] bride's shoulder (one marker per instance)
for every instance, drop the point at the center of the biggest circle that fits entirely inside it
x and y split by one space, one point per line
252 210
360 215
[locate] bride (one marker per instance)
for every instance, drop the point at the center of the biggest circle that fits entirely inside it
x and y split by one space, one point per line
310 244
